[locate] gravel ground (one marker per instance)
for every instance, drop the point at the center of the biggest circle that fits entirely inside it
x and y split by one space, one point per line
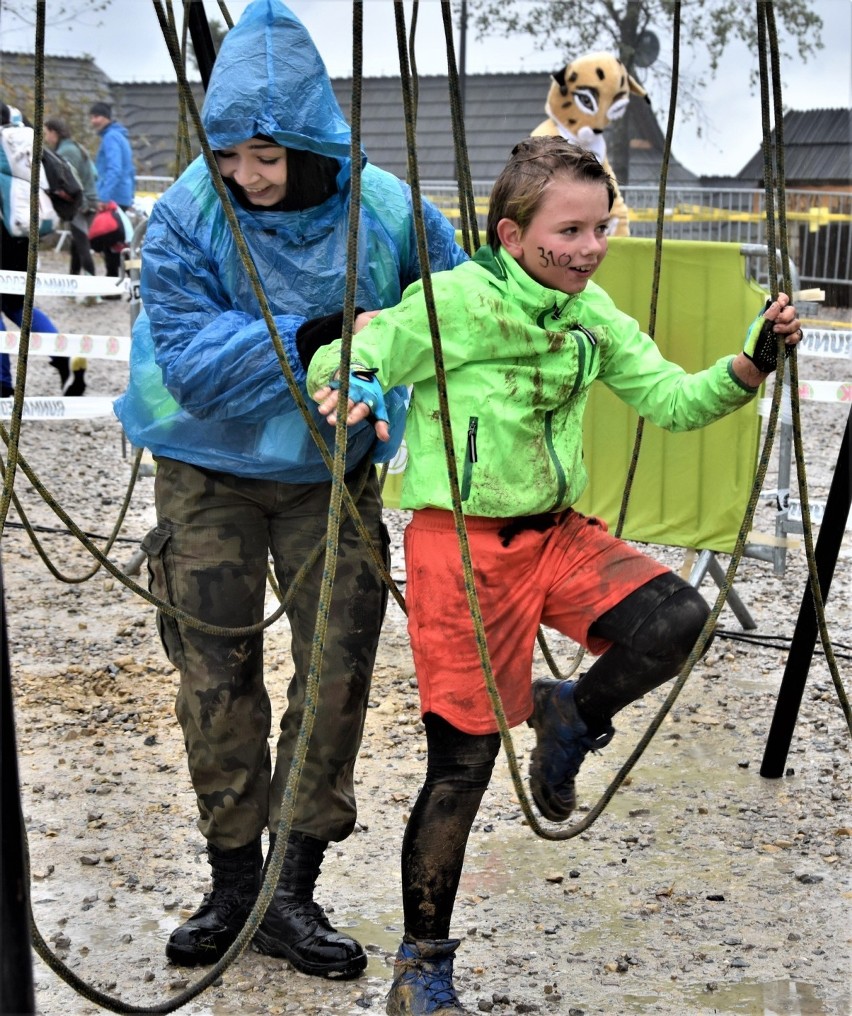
702 888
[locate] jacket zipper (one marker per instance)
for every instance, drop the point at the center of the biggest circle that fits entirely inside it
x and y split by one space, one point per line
470 457
562 484
581 355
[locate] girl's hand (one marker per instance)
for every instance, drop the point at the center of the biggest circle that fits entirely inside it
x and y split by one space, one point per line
327 398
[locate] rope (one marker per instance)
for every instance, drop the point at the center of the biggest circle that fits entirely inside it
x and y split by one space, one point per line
341 499
658 253
32 268
110 540
767 9
338 494
467 201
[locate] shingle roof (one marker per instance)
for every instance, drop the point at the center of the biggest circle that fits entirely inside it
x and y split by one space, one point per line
71 85
817 149
500 109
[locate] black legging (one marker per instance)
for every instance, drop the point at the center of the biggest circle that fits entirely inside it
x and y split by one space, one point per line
653 631
81 252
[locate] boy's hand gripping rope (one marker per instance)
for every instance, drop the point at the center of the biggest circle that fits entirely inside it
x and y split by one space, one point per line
761 343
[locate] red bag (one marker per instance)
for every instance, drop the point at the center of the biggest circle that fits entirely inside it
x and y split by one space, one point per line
110 230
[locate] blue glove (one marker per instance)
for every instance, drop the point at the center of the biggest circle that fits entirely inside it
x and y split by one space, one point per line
761 343
363 387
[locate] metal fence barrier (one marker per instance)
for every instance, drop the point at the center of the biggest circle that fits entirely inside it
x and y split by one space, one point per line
819 224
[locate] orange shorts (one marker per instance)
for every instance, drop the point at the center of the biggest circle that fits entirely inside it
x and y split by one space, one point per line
564 578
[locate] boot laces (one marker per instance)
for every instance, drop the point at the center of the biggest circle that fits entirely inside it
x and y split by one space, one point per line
227 897
440 989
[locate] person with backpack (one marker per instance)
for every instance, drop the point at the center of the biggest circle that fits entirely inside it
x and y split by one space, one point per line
57 134
116 173
14 247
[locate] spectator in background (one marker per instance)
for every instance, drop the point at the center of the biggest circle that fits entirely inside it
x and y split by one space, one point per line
57 134
14 253
116 174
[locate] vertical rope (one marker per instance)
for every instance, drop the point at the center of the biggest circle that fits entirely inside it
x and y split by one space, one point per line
658 254
467 202
793 368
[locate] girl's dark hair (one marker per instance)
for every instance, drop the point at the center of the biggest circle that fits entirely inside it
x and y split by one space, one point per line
311 179
56 123
534 162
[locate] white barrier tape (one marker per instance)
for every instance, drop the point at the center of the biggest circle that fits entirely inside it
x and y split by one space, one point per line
825 391
837 392
96 347
768 540
46 407
826 342
785 410
65 285
817 509
793 507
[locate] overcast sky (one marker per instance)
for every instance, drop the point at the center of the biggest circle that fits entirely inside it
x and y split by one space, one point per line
127 46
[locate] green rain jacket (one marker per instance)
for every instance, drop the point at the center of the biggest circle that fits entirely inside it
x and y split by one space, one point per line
520 360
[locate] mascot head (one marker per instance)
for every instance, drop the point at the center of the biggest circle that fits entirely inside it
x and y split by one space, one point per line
591 92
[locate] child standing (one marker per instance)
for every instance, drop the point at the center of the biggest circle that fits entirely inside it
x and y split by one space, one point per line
524 334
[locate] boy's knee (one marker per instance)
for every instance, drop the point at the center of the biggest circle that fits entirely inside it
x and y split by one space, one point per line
672 629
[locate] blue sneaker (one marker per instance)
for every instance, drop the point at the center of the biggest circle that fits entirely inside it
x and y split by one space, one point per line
562 742
423 979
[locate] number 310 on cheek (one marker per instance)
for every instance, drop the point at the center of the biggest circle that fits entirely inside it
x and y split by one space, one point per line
547 259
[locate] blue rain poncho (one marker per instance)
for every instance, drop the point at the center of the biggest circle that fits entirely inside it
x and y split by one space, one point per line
206 386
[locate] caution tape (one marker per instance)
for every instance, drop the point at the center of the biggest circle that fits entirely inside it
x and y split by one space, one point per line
46 407
825 391
836 392
52 284
95 347
792 509
816 509
826 342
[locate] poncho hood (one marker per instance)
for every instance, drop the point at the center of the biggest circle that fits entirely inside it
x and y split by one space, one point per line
269 79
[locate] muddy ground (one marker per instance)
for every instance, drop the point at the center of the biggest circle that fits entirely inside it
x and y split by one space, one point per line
702 888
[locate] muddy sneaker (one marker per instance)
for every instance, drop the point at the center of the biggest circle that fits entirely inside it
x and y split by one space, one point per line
423 979
562 742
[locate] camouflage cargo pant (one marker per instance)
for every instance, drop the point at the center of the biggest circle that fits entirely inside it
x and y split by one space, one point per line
208 555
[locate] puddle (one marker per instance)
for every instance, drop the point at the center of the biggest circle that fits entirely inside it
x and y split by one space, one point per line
774 998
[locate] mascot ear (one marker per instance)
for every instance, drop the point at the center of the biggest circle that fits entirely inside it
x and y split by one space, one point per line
636 88
559 78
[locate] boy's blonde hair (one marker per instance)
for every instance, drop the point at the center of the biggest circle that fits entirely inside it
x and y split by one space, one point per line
534 162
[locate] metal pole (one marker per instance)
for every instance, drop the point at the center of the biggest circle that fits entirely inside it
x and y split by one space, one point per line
804 637
16 971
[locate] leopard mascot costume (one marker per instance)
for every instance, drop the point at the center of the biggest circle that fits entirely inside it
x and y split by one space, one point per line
584 98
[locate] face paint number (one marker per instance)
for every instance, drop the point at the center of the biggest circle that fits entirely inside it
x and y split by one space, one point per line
547 259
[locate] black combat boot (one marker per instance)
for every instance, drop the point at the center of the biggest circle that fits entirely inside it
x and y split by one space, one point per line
295 927
61 364
76 384
212 929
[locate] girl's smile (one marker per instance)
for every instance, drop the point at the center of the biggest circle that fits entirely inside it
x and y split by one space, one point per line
258 167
